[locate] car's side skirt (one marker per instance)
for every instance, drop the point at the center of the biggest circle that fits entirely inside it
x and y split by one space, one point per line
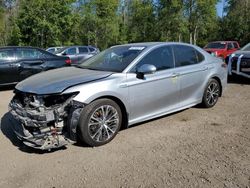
138 120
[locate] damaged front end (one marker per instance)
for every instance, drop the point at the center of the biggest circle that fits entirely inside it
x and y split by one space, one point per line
45 121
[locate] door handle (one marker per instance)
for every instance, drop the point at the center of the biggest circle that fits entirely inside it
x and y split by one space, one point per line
14 65
175 75
205 68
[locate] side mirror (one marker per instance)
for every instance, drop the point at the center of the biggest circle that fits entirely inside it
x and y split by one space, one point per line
64 53
145 69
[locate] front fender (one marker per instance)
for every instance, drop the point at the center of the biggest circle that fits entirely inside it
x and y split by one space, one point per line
107 87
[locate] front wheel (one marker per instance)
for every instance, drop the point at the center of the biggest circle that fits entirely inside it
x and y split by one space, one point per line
211 93
99 122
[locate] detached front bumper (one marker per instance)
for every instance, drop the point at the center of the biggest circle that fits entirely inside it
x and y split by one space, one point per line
45 128
44 139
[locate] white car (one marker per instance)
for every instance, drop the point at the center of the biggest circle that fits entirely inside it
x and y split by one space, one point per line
53 49
239 62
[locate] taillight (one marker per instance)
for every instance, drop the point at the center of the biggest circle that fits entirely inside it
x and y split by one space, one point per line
224 65
68 61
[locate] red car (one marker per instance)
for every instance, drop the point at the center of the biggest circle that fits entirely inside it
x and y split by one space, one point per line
222 49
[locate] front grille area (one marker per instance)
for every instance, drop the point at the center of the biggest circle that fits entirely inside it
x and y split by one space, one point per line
245 66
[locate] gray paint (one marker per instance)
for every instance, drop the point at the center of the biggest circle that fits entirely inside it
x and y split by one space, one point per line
56 81
156 94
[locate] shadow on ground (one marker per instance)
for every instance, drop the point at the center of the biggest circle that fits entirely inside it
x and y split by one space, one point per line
6 128
6 88
235 79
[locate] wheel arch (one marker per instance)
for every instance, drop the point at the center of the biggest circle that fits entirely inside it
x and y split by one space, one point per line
124 111
219 81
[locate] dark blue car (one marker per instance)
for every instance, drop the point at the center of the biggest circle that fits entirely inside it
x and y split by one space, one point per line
18 63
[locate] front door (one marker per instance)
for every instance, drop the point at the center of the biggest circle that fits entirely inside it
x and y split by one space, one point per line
8 67
157 93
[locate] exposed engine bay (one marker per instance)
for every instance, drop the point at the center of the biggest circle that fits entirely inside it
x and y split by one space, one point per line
45 121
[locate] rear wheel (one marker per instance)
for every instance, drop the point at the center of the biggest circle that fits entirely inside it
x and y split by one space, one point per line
100 121
211 93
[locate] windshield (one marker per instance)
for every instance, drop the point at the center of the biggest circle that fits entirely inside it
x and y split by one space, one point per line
114 59
216 45
246 47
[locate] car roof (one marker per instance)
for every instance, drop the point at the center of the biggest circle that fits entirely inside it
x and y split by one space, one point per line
75 46
10 47
223 41
152 44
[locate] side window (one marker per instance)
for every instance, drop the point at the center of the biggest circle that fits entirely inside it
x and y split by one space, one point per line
230 46
52 50
91 49
83 50
71 51
235 45
185 55
162 58
7 55
26 53
46 55
200 57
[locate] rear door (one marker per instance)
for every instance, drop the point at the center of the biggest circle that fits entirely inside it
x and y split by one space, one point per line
8 67
83 53
31 61
72 53
192 72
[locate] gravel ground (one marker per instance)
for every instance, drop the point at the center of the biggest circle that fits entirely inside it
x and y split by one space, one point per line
193 148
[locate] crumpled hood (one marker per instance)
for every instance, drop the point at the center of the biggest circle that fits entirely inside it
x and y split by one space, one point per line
245 54
57 80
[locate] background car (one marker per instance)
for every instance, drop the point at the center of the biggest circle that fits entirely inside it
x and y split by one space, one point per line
18 63
239 62
53 49
78 53
222 49
120 86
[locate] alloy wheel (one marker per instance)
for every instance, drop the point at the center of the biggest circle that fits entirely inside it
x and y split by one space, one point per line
103 123
213 92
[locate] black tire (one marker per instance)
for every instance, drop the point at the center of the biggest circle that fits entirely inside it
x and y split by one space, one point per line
85 122
207 101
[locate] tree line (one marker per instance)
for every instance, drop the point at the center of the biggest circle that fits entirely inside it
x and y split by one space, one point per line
102 23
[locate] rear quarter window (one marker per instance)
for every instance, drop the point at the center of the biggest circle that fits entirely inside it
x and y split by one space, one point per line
200 57
83 50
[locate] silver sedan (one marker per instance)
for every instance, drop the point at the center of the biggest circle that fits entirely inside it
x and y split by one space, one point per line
117 88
